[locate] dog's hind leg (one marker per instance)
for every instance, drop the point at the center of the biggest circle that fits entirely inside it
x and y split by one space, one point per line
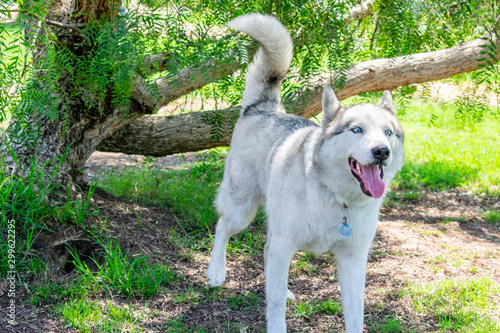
277 256
237 207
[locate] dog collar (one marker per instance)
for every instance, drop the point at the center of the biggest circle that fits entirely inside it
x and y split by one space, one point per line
344 229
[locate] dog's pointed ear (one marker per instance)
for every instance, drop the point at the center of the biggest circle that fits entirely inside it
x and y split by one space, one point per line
386 102
331 105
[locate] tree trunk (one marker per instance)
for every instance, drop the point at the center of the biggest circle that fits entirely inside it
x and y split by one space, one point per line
160 136
33 138
79 130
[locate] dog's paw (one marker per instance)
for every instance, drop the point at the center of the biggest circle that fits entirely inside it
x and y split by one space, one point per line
290 295
216 275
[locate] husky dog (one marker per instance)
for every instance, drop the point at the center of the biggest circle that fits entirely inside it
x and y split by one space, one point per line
322 185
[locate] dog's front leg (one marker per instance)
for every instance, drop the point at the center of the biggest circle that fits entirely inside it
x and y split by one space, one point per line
352 274
277 261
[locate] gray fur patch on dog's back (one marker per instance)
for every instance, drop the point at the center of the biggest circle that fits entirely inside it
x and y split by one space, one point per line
282 121
279 125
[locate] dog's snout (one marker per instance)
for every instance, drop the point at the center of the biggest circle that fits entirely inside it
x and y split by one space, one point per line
381 153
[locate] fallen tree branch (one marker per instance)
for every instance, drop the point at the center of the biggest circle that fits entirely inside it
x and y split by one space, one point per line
191 78
165 135
160 136
389 74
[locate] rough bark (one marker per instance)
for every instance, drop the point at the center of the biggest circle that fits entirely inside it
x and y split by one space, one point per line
160 136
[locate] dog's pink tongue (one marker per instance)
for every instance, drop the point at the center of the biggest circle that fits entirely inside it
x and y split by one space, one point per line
371 179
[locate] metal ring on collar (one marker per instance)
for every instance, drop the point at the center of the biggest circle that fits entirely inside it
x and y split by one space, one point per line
343 207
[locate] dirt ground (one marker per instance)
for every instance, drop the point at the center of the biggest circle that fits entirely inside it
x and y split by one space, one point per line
439 236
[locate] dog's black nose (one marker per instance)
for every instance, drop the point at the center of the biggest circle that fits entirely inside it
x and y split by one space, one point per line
381 153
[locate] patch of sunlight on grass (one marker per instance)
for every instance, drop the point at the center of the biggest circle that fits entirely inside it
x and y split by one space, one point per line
459 306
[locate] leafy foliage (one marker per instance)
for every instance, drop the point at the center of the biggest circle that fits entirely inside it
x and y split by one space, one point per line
326 40
104 62
470 108
46 76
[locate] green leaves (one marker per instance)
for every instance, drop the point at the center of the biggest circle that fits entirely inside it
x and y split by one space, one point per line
106 73
471 108
43 76
490 52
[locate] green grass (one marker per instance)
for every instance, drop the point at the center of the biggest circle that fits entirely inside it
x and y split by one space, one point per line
52 292
388 325
305 309
129 277
445 155
459 306
456 257
250 242
492 216
32 203
304 264
244 302
189 191
329 307
89 316
191 296
115 273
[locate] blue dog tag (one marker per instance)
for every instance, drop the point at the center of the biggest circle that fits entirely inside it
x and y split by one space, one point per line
345 230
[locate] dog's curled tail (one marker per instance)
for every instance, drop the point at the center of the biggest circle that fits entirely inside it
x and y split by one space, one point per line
272 60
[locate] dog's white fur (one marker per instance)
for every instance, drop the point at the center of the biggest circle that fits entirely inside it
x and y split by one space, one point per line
304 174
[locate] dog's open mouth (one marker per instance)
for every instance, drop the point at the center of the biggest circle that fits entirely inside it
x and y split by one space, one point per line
369 177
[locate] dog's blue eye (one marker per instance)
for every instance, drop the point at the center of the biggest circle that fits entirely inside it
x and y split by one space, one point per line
388 132
357 130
